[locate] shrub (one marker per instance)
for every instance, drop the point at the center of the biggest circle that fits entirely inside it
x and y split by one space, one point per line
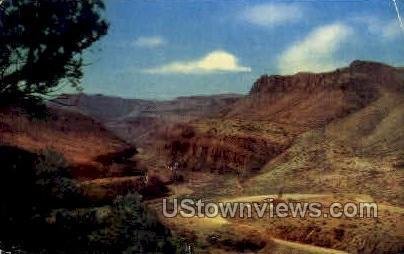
55 187
132 229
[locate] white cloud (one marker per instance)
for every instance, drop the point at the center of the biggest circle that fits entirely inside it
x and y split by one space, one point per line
216 61
149 42
384 29
392 30
316 53
273 14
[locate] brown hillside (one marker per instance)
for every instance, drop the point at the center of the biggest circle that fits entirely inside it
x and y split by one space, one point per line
88 147
322 137
280 108
309 100
79 138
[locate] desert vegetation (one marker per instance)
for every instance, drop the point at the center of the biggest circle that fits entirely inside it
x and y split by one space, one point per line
87 173
46 206
44 210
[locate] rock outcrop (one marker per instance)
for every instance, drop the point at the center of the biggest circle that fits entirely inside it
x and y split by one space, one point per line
278 109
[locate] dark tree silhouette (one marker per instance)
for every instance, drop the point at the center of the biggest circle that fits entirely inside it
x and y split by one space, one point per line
41 45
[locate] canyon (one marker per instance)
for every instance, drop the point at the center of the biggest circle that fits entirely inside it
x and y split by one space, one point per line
337 134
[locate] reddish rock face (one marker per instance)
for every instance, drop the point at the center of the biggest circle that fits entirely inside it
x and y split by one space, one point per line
226 153
242 133
312 99
277 109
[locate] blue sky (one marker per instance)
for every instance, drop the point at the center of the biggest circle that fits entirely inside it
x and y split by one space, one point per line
163 49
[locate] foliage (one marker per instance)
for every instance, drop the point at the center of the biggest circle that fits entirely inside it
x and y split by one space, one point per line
42 43
53 182
43 211
133 229
31 185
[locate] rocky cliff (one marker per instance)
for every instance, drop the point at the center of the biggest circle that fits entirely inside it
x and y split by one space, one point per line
277 110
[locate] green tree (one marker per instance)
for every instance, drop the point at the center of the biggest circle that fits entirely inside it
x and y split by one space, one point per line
133 229
41 45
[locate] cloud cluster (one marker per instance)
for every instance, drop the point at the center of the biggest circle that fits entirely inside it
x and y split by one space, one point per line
273 14
316 52
384 29
391 30
149 41
214 62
